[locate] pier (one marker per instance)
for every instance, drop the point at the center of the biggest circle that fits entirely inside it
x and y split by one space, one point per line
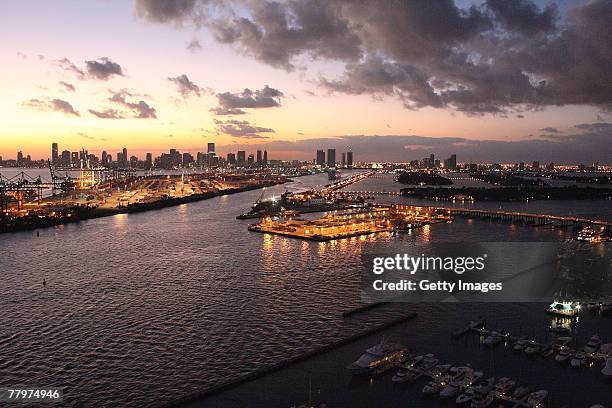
347 224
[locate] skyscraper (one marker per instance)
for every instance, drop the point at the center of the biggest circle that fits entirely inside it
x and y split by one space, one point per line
104 158
54 153
259 159
349 159
320 157
231 158
331 157
149 161
451 162
343 159
211 148
241 158
432 161
265 158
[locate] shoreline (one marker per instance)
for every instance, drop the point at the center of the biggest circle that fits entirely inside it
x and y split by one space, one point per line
84 213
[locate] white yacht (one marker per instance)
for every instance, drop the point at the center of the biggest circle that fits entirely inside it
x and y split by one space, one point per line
377 356
536 398
503 387
564 354
604 351
579 360
593 344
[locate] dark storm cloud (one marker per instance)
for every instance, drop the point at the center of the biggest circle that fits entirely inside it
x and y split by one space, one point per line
103 68
524 16
498 57
233 103
139 109
185 86
107 114
52 105
68 87
242 129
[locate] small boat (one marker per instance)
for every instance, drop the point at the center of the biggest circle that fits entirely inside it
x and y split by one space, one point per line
605 351
433 387
564 355
593 345
547 351
456 382
532 348
440 369
503 387
520 392
482 388
536 398
606 308
482 401
520 344
579 359
493 339
607 370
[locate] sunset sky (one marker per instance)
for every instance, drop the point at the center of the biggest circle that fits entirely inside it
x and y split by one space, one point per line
498 80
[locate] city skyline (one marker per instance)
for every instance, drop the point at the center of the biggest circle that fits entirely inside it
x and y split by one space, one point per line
181 73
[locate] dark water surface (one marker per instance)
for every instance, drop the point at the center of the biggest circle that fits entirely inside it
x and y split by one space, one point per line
141 309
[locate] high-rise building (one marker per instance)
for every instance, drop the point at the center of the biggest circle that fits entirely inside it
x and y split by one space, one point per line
432 161
265 158
343 160
259 158
74 159
104 158
231 158
54 153
211 148
124 157
65 158
19 158
451 162
349 159
331 157
251 160
241 158
149 161
320 157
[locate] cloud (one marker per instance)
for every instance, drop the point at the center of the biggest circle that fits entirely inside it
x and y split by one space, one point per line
107 114
185 86
103 68
233 103
494 57
139 109
549 130
242 129
524 16
68 87
51 105
194 46
67 65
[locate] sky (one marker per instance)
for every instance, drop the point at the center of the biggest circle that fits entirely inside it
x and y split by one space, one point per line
490 80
